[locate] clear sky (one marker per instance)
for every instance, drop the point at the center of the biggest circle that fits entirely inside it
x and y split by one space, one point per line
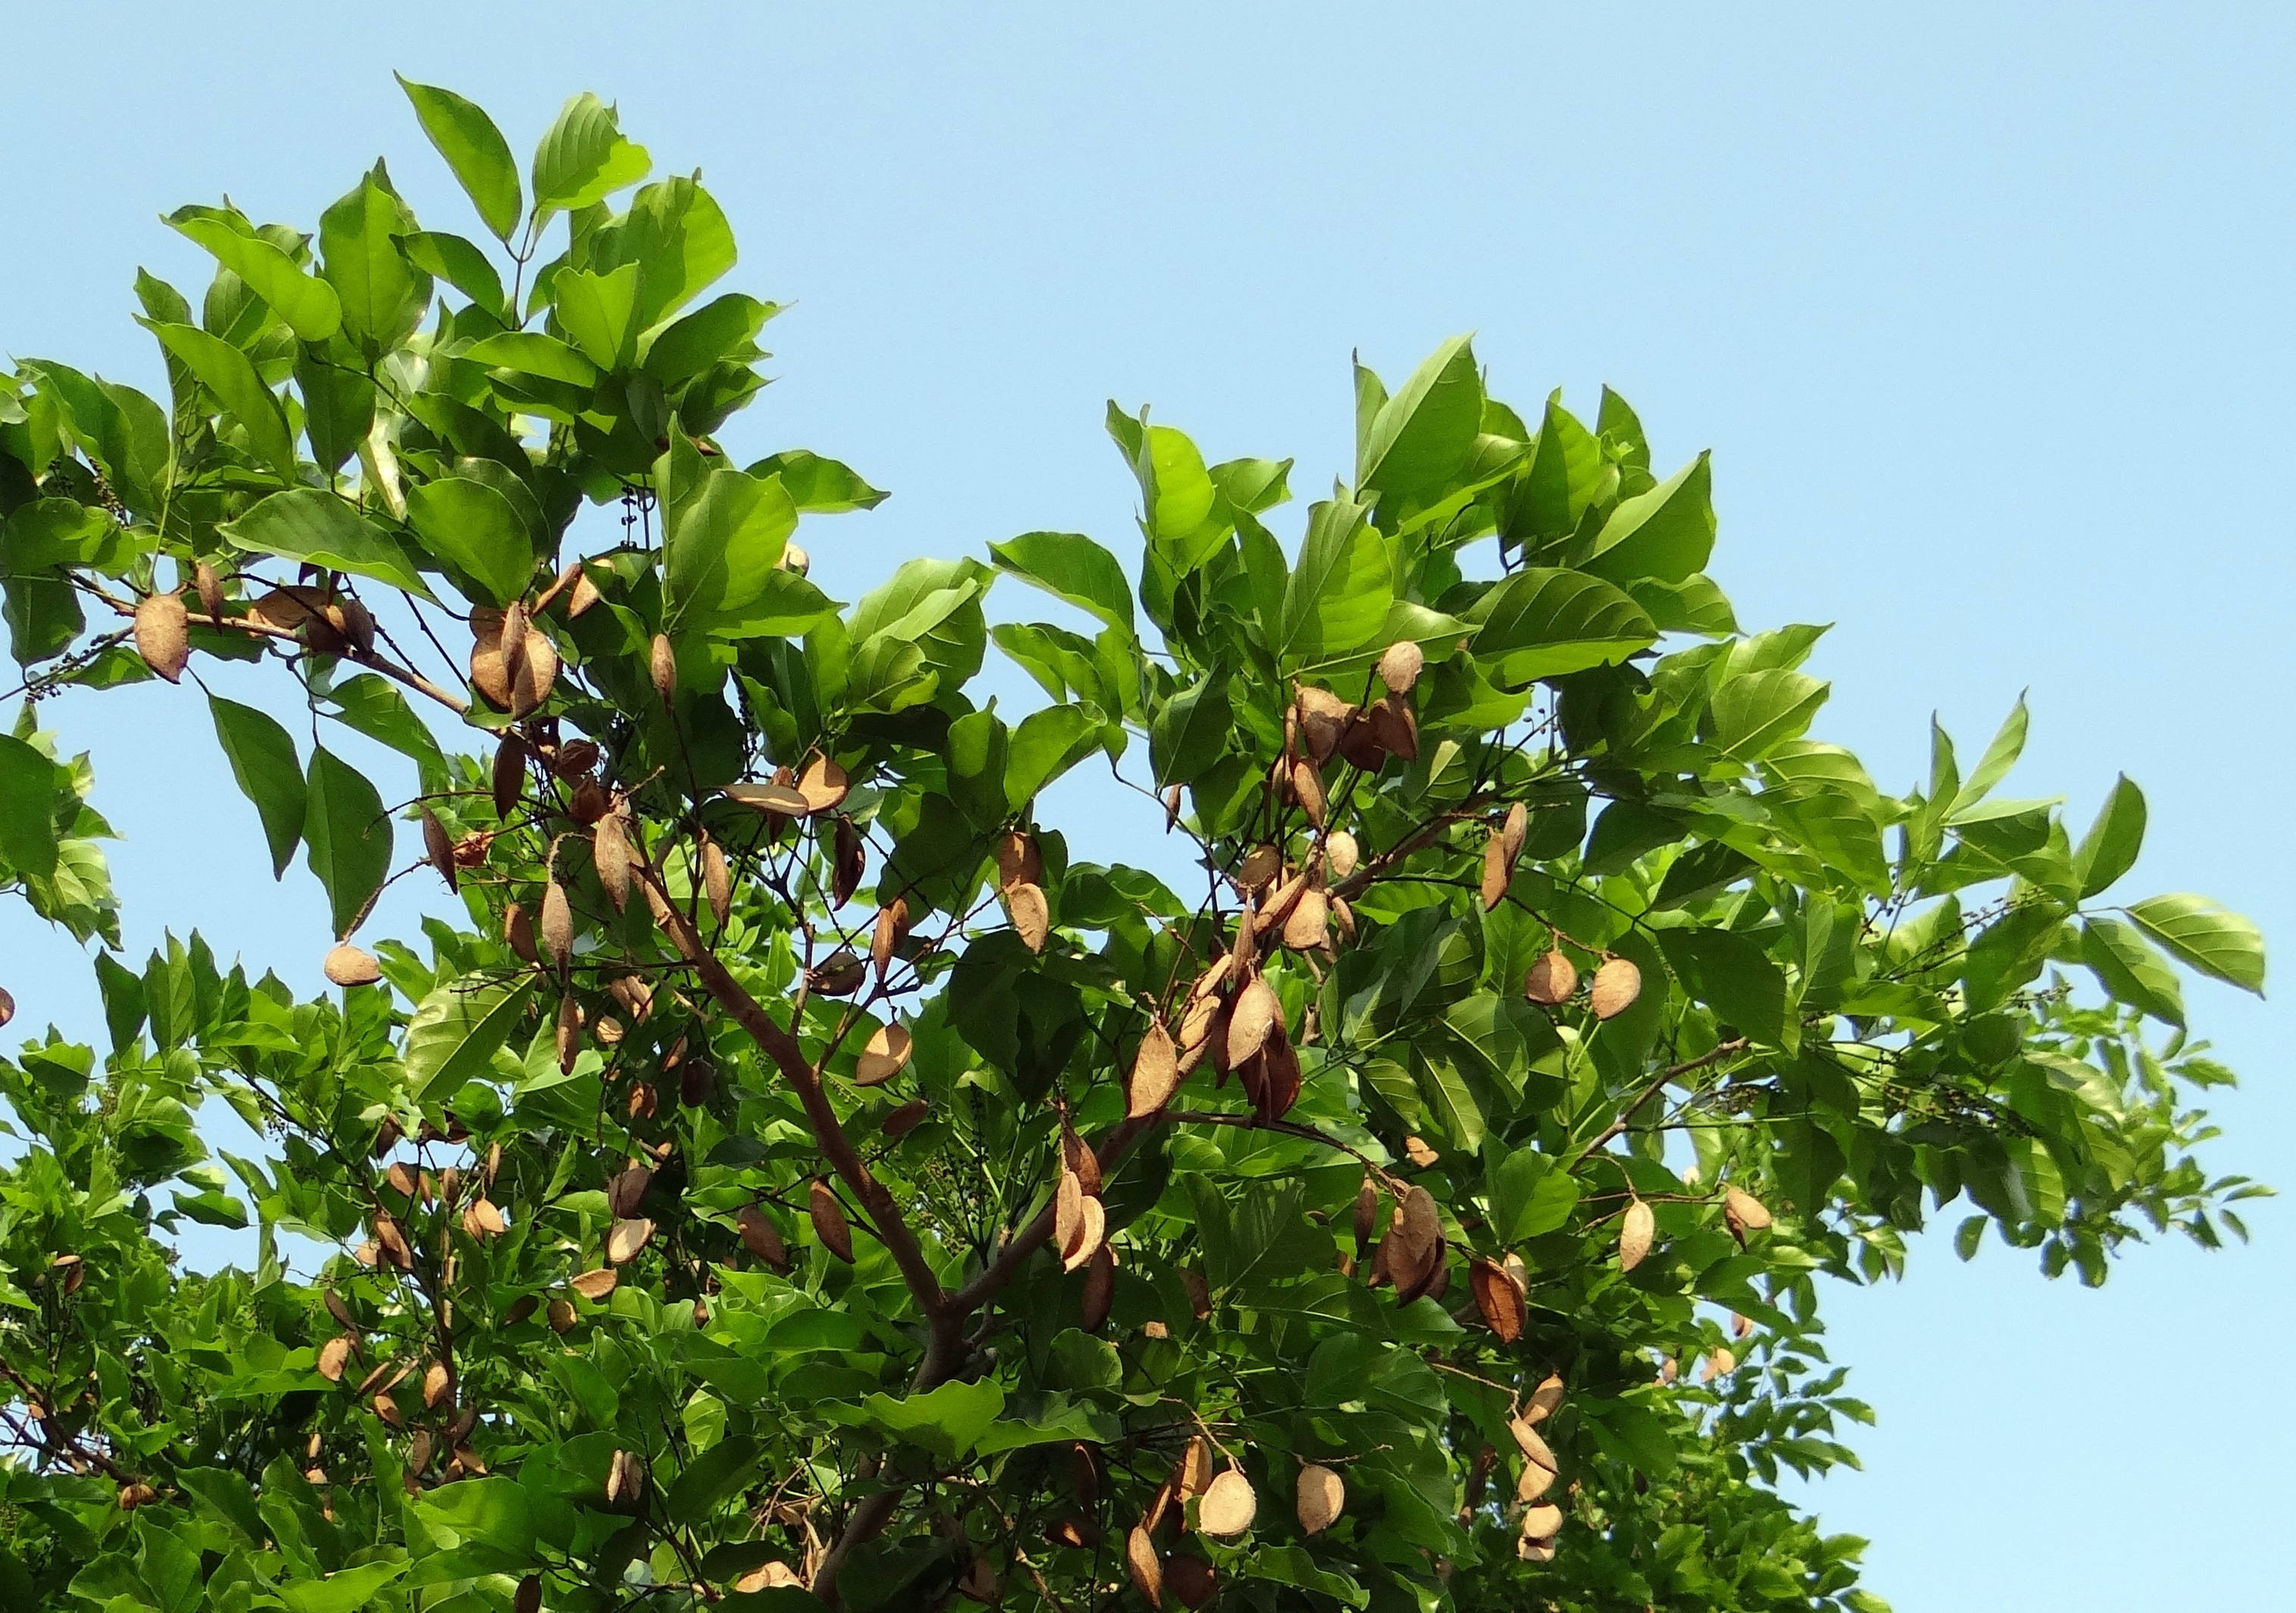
1984 312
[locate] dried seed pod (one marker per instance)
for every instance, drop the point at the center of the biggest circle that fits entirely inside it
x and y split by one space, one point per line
718 880
1742 1327
1308 926
1199 1292
1191 1475
1308 789
537 675
557 924
210 589
419 1452
1415 1150
823 784
1744 1213
1099 1285
774 800
584 595
438 848
610 850
841 975
561 1316
1617 984
1272 1079
1032 919
1322 718
1228 1505
1192 1579
1535 1451
1018 862
355 623
1544 1401
333 1357
349 965
1322 1496
1259 869
1720 1364
662 665
1145 1567
483 1220
1068 1210
761 1237
518 934
625 1478
1415 1237
849 861
636 999
595 1283
889 935
438 1384
829 1222
162 635
1344 916
1090 1238
1155 1073
340 1311
1400 667
1636 1230
627 1191
1366 1215
509 773
1498 870
386 1408
403 1180
1341 853
795 559
7 1008
569 1032
1500 1300
1256 1016
1395 726
1542 1522
627 1238
134 1495
771 1576
904 1121
885 1055
1551 979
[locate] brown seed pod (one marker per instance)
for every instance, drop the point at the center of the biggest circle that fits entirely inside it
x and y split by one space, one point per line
1155 1073
134 1495
1416 1233
1544 1401
595 1283
557 924
404 1180
1018 862
626 1477
841 975
1341 853
1741 1327
7 1007
1278 904
627 1238
386 1408
1400 667
904 1121
510 773
353 622
1499 1298
774 800
1171 799
610 850
1308 926
627 1191
662 665
1536 1451
1191 1475
1090 1238
419 1452
1551 979
569 1032
1199 1291
636 999
823 784
1228 1506
162 635
490 669
1720 1364
1032 919
210 589
1498 870
848 860
890 935
1099 1285
1323 718
1068 1210
761 1237
438 1384
1145 1567
1366 1215
483 1220
518 934
348 965
1323 1495
1415 1150
829 1222
333 1357
1744 1213
1256 1017
1308 789
1259 869
1272 1079
341 1310
1617 984
885 1055
510 639
1636 1230
716 880
1395 726
562 1317
438 848
583 595
771 1576
528 1596
1542 1522
1192 1579
537 674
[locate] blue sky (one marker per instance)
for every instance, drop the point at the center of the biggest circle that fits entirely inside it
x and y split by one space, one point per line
1983 312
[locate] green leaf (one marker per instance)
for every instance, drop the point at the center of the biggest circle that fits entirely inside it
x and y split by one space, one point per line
532 353
1419 438
598 312
371 704
456 1028
1731 974
709 1477
583 158
383 294
347 836
476 530
1190 732
475 150
1338 595
1530 1197
1072 567
722 329
724 545
347 1591
1180 493
1666 533
309 524
2131 970
818 486
2201 935
1542 623
676 237
2109 848
1754 713
1994 765
263 760
459 263
945 1421
227 372
1046 744
28 807
310 306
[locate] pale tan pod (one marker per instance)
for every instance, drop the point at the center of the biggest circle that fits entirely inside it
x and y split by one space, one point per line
562 1316
1514 832
386 1408
1636 1230
518 934
1191 1476
1155 1073
1617 984
595 1283
1308 789
348 965
823 785
1344 916
1416 1150
1323 1495
829 1222
584 596
761 1237
484 1219
210 589
716 879
1745 1212
1534 1550
662 665
438 848
1145 1567
162 635
1091 1236
1032 919
627 1238
1720 1364
905 1119
1545 1400
557 924
1228 1506
1497 871
1741 1327
569 1032
1535 1449
1400 666
890 935
770 798
1323 720
333 1357
1171 799
1018 861
1308 926
1341 854
885 1055
625 1478
1542 1522
1256 1016
7 1007
537 675
1068 1211
510 641
1366 1215
609 850
438 1384
1551 979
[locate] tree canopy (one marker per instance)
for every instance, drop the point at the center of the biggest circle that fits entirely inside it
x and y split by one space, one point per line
792 1178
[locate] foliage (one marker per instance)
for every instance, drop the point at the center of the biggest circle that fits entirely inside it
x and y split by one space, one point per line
798 1170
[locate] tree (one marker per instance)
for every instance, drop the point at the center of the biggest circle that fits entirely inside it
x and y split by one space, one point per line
797 1180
